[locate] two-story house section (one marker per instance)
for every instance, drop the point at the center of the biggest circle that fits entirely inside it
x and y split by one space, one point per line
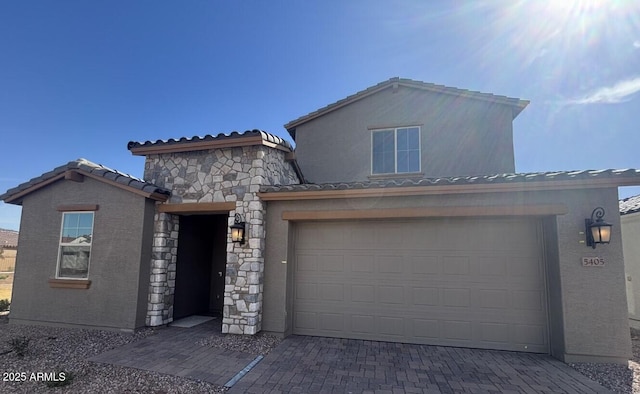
414 227
407 129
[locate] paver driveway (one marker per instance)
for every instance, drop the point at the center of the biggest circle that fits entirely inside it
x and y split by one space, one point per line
302 364
325 365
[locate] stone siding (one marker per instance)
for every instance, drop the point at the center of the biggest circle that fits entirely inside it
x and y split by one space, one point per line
164 253
218 175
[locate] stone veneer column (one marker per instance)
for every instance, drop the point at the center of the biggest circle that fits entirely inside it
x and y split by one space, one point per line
242 313
218 175
163 269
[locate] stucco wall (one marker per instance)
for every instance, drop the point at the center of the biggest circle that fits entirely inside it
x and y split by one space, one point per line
588 312
459 136
121 240
631 247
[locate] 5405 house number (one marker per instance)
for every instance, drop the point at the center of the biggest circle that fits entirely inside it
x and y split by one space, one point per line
592 262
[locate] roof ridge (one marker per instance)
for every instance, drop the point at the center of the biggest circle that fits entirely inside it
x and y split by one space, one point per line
516 102
88 167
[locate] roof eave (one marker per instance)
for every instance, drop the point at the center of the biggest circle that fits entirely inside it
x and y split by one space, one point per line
17 197
468 188
233 140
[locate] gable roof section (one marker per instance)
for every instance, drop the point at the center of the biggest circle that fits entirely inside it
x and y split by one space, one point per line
629 205
8 238
74 170
195 143
536 181
517 104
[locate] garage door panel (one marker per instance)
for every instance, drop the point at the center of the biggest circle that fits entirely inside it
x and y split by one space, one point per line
524 267
390 326
331 321
492 298
532 300
426 328
495 332
322 234
362 263
306 262
389 264
306 320
458 330
361 237
529 334
391 295
424 265
408 281
455 265
489 266
331 292
428 296
363 324
363 293
306 291
456 297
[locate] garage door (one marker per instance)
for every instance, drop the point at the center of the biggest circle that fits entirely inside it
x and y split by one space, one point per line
454 282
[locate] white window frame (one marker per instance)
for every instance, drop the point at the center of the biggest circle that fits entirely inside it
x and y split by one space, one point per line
395 149
62 244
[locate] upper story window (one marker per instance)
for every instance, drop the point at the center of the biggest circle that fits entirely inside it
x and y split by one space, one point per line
395 150
75 245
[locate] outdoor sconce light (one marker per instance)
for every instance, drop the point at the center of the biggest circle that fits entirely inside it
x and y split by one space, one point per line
237 229
597 230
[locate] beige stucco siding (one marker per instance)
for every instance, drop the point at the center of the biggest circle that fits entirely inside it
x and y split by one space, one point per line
587 305
117 295
459 136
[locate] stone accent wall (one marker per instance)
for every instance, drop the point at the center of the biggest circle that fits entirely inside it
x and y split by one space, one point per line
219 175
164 253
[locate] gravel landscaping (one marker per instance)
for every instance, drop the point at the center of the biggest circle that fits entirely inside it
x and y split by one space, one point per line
257 344
52 350
61 350
618 378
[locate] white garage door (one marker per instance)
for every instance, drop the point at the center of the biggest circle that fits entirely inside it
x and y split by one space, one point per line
455 282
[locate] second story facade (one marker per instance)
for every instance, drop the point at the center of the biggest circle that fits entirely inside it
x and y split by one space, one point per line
402 129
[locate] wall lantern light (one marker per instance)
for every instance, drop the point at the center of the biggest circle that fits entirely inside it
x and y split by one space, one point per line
237 229
597 230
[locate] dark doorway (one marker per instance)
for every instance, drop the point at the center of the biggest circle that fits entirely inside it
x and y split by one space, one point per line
200 266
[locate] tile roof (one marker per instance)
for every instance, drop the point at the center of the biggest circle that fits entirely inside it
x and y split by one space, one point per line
8 237
266 137
464 180
515 102
629 205
85 166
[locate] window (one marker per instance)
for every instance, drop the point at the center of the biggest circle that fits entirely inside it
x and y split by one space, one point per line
395 150
75 245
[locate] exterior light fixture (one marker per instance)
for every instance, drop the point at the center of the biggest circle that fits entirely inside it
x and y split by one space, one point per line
237 229
597 230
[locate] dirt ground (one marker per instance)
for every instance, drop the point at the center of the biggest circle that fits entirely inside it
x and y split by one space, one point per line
6 284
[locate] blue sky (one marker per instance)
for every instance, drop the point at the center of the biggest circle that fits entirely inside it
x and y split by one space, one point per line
81 79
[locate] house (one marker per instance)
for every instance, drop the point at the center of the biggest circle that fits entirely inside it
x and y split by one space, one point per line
8 248
62 276
630 223
398 217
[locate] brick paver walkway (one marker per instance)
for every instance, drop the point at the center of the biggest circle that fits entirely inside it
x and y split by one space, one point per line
175 351
325 365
